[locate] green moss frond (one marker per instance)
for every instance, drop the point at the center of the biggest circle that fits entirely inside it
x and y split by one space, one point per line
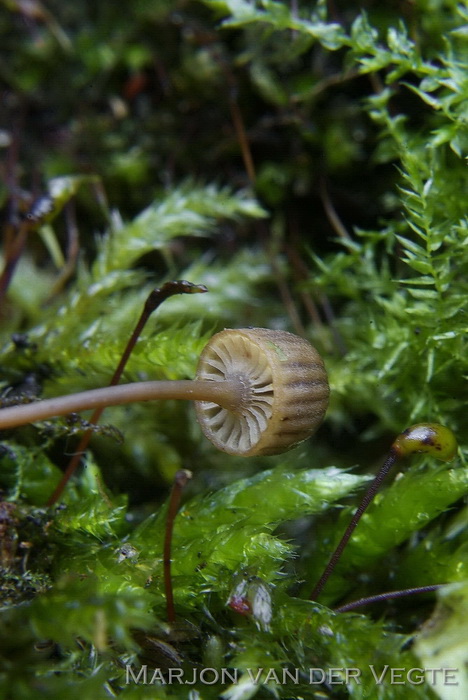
415 499
190 210
351 116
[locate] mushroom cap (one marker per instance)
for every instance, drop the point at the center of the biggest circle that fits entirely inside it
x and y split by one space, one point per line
284 391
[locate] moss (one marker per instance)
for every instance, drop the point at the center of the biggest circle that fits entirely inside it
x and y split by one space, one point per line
306 164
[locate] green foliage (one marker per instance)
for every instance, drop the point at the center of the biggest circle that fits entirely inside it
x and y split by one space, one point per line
407 506
356 126
225 533
445 627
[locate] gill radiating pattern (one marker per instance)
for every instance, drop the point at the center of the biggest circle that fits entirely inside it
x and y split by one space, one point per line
283 391
236 357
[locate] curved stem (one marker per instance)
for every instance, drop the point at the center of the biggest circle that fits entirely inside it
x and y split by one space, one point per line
388 596
431 438
153 301
392 457
180 480
227 393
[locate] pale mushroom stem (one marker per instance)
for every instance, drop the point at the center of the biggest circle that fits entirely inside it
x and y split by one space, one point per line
225 393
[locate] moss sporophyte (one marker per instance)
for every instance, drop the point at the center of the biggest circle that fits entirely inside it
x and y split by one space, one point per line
431 438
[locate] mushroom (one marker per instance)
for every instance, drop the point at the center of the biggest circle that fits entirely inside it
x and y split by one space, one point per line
256 392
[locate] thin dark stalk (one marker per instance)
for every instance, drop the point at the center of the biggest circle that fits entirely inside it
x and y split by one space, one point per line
155 299
380 597
239 127
432 438
11 222
331 213
73 249
392 457
14 253
180 480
